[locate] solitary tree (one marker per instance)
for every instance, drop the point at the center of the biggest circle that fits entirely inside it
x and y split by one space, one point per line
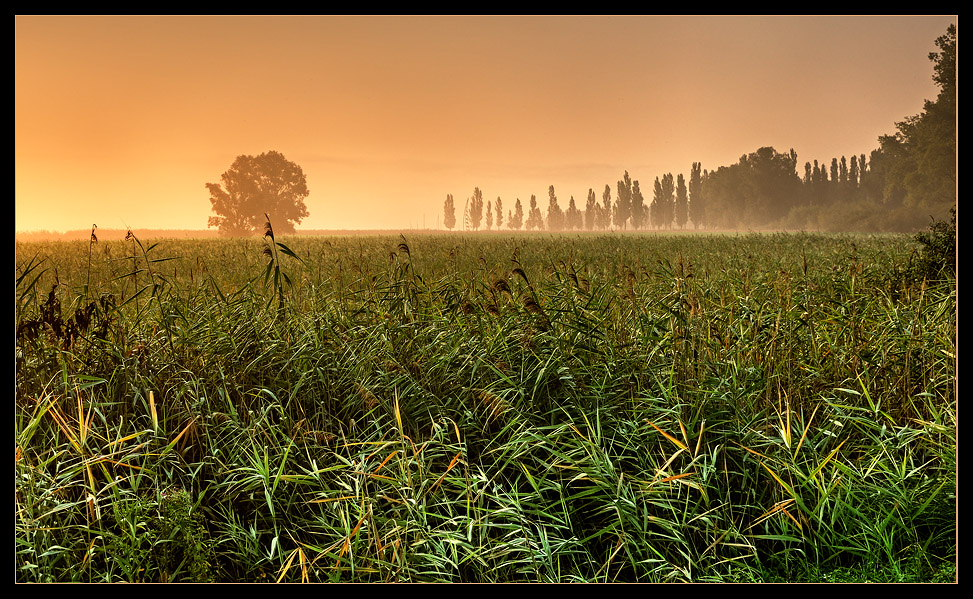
489 215
449 212
258 185
499 213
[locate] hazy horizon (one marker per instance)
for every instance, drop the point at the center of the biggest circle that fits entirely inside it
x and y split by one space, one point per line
121 121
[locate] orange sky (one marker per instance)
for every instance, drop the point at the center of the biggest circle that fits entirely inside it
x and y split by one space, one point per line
121 121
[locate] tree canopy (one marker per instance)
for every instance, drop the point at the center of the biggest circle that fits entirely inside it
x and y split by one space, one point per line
921 155
258 185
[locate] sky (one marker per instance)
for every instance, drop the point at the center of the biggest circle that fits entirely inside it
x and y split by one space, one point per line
120 121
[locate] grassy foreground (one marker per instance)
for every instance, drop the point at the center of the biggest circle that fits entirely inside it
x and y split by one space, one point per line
489 408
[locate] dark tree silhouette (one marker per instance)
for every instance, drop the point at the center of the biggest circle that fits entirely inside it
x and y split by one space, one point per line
258 185
697 205
682 202
640 212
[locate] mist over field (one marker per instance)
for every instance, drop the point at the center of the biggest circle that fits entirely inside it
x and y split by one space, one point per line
812 123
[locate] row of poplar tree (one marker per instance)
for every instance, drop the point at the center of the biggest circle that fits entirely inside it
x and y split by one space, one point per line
908 178
670 205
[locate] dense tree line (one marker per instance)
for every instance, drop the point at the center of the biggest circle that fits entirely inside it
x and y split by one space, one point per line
909 178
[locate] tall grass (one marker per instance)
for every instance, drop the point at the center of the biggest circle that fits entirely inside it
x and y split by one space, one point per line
456 408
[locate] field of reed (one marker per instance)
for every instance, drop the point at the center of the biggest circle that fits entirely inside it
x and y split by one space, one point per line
485 408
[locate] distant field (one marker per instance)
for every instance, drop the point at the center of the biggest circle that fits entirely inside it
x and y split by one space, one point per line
484 408
160 234
157 234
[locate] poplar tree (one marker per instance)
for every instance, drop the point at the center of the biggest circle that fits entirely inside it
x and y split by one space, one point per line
655 208
606 207
591 210
623 203
555 216
697 204
475 210
639 210
573 218
682 202
449 212
668 188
